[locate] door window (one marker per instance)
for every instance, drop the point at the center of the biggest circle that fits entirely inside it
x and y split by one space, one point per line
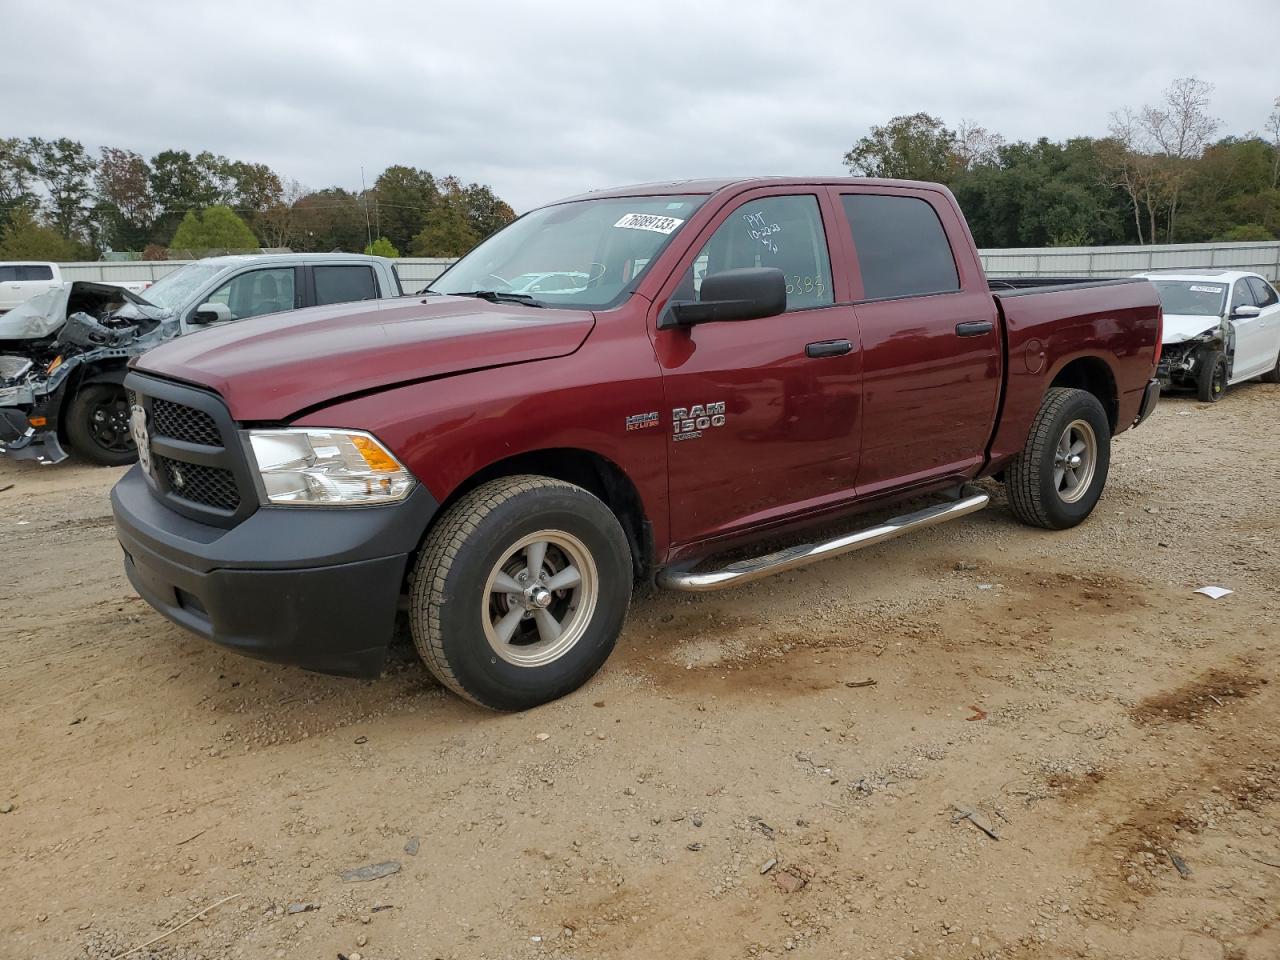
781 232
256 293
901 247
1263 293
18 272
1241 296
344 284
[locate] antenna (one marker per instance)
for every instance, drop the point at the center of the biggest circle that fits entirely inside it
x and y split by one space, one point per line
364 194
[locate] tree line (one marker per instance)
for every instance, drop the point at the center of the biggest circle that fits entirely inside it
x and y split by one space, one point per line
59 201
1161 175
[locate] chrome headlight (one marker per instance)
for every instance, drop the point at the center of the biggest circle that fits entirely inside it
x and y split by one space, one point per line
327 467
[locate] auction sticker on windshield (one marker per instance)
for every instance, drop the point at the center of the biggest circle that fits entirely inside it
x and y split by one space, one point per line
1205 288
648 221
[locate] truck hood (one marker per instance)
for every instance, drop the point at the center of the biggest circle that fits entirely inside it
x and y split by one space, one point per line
270 368
1180 326
43 315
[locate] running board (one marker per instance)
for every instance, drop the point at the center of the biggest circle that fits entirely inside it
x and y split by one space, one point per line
970 500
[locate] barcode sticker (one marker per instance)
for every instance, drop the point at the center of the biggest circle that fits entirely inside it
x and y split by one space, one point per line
648 221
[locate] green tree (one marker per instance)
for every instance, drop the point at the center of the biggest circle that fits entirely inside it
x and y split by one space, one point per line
448 231
486 212
1246 232
180 184
328 220
66 171
381 247
217 228
402 197
126 208
914 147
16 172
23 238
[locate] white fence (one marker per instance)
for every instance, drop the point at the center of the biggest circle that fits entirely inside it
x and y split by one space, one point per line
1262 258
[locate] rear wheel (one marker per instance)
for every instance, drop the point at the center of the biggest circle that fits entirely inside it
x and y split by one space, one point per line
1211 376
97 422
1057 479
1272 375
520 592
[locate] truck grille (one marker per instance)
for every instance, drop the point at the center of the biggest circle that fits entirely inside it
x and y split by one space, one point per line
169 419
198 465
209 486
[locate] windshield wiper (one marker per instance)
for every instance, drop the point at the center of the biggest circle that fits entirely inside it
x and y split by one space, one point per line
498 296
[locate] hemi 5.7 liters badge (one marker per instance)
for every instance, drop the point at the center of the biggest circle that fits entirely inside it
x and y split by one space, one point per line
688 423
642 421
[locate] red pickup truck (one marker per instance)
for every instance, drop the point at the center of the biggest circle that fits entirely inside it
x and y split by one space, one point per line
658 382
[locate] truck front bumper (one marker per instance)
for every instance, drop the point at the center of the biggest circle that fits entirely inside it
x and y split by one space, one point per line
314 587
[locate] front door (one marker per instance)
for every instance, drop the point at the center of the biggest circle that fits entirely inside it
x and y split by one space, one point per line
761 415
930 339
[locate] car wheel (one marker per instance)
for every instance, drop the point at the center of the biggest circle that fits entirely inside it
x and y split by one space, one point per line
97 422
520 592
1272 375
1057 479
1211 376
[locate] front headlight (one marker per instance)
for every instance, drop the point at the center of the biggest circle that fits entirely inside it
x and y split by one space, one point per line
327 467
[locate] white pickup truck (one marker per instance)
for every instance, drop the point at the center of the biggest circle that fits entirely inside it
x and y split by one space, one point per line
20 281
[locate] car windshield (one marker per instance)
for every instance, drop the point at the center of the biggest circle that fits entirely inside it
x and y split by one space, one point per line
1191 297
582 254
174 290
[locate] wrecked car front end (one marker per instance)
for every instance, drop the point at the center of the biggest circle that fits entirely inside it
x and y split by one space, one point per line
58 342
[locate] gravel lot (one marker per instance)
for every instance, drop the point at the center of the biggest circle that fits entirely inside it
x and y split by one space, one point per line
728 787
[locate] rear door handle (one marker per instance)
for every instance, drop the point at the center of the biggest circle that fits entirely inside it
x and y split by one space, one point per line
974 328
828 348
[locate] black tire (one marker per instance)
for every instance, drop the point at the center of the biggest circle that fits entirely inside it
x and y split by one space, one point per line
1211 376
1272 375
97 423
1039 494
457 614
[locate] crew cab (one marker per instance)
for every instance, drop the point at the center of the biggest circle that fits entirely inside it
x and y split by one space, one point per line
1220 328
63 354
720 369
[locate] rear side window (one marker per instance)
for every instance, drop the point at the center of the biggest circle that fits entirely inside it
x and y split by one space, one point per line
1263 293
344 284
901 246
16 272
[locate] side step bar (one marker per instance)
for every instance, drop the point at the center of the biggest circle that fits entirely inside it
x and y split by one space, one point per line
970 500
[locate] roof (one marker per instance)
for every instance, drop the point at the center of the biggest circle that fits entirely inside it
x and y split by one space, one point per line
1221 276
236 259
709 186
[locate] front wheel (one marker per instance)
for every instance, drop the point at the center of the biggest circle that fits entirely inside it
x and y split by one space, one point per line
97 422
520 592
1056 480
1211 376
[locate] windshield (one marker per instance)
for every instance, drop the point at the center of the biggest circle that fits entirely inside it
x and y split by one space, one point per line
174 290
583 254
1191 297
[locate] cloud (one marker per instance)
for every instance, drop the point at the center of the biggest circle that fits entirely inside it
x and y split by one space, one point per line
545 100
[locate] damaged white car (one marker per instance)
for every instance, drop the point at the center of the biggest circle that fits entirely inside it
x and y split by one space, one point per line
1220 328
63 354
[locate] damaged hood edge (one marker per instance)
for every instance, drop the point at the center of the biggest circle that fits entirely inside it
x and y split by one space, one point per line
43 315
1179 327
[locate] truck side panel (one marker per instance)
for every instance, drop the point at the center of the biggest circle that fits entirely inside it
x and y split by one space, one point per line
1045 330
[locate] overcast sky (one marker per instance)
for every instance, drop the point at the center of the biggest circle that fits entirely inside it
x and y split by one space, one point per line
546 99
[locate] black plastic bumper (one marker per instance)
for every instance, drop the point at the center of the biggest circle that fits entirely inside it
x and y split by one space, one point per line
1150 400
314 587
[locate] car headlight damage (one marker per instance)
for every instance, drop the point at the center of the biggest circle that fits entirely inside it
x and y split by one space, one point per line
327 467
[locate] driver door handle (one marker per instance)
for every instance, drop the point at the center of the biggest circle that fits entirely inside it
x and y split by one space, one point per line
974 328
828 348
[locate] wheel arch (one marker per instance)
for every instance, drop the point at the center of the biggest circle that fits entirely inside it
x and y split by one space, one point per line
584 468
111 370
1094 375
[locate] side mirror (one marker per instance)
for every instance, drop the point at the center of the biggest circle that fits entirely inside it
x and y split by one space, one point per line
749 293
1246 311
211 313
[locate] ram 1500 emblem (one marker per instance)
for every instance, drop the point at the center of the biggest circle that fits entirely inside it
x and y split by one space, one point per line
687 423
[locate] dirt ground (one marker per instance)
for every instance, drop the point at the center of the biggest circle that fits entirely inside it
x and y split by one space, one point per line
728 787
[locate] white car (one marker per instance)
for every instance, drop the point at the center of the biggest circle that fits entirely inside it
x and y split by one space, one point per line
1219 328
24 280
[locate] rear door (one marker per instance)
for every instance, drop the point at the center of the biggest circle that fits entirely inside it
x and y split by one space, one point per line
342 283
761 415
931 348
